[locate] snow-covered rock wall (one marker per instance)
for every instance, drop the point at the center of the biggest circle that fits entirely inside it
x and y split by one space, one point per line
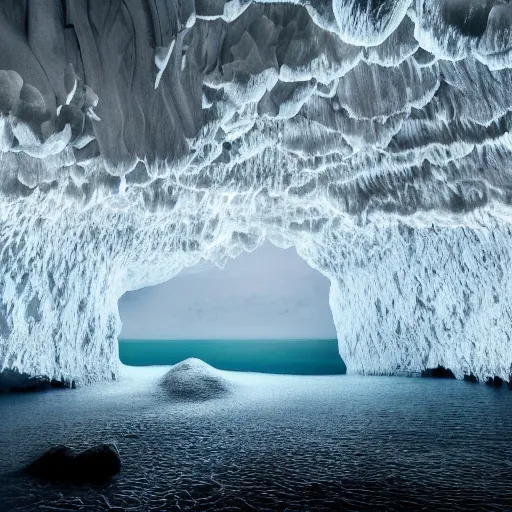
140 137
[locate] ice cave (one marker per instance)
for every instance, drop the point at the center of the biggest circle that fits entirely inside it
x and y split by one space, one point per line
139 138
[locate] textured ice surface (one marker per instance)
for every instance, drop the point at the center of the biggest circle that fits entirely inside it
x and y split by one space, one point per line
139 138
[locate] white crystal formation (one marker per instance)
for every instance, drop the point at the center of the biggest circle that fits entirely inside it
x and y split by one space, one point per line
140 138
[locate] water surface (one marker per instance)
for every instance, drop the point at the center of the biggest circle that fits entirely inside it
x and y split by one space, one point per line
292 357
277 443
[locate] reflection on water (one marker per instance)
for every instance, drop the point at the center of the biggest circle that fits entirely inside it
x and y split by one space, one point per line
278 443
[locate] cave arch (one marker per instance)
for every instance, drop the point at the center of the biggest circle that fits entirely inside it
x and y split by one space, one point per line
127 161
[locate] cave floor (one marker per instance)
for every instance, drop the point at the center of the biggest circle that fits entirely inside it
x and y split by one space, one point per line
276 443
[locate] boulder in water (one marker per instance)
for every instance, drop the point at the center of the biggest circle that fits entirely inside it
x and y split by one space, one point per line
94 464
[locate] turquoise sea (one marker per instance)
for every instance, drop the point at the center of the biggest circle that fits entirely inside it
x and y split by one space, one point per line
293 357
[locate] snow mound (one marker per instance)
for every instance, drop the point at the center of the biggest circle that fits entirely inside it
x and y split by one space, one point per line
195 380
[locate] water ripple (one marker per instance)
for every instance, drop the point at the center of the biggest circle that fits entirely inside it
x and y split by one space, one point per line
281 444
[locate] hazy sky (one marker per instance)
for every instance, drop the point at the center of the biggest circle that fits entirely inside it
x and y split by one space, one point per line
269 293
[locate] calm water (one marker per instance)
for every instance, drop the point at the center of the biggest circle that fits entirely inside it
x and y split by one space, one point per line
292 357
278 443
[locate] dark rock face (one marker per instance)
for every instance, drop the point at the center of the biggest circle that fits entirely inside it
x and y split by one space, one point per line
440 373
15 382
62 463
495 382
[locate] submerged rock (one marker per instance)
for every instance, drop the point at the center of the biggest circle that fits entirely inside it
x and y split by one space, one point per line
94 464
195 380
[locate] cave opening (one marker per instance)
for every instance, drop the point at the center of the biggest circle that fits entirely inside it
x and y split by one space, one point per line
265 311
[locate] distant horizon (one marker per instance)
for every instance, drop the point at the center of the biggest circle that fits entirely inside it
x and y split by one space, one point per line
288 356
231 339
